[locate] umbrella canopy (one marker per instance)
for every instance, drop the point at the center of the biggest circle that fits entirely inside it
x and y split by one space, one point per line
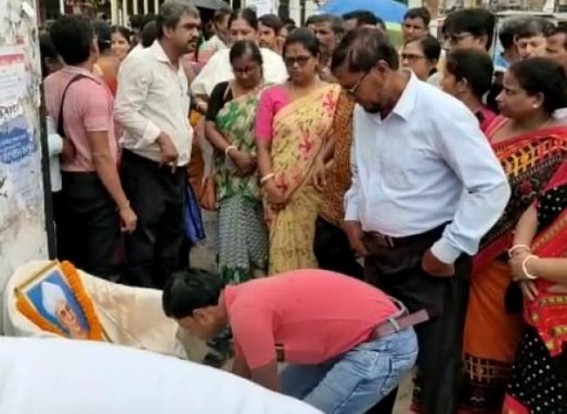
210 4
387 10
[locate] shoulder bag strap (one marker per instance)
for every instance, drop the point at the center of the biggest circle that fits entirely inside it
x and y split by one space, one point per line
60 130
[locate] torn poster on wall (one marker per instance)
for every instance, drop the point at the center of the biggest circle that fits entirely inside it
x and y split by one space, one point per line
19 151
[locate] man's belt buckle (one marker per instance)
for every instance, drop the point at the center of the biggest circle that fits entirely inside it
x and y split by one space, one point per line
383 240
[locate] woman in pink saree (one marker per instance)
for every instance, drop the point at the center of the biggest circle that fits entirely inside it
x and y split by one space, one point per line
293 121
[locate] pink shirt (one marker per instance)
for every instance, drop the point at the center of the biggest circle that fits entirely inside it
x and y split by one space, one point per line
271 101
87 108
315 315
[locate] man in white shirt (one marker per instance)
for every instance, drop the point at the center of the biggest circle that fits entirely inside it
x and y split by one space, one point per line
152 105
426 187
61 376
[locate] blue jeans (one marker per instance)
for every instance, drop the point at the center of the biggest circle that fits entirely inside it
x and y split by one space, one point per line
358 379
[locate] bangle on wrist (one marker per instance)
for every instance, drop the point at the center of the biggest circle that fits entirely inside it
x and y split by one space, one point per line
266 178
517 247
227 150
527 274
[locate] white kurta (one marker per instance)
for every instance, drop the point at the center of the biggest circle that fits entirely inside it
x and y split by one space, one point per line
218 69
59 376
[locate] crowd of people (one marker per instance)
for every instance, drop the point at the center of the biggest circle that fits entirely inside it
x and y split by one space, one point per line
431 172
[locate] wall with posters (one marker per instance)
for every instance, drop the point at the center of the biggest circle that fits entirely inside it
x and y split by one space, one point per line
22 217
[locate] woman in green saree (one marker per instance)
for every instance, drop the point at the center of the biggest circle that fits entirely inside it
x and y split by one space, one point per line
243 239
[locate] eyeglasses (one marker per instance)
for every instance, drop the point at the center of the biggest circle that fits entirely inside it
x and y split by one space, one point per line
456 38
352 91
300 60
411 58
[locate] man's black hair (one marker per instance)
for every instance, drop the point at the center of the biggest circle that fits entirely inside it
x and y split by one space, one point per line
188 290
477 22
365 17
560 30
533 26
272 21
73 35
419 13
362 17
363 48
508 31
335 22
149 33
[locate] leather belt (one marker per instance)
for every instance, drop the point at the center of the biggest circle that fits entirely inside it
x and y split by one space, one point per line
383 240
396 324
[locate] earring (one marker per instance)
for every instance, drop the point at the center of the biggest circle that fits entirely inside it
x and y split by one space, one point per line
535 106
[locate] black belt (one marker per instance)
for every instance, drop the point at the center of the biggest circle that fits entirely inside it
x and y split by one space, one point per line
134 158
383 240
404 321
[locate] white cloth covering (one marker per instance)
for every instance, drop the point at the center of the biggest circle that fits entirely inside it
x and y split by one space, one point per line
129 316
61 376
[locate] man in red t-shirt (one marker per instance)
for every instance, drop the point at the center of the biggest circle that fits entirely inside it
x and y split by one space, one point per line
346 343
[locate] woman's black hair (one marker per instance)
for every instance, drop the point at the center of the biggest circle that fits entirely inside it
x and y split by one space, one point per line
124 31
430 47
545 76
473 65
290 27
188 290
305 38
103 33
247 14
243 48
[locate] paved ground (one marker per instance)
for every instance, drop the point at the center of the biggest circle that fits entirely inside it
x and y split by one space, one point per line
203 256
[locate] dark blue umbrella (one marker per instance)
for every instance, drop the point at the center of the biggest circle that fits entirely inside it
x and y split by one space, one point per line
387 10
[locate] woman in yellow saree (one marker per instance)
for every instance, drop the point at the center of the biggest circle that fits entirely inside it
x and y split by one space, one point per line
292 123
531 145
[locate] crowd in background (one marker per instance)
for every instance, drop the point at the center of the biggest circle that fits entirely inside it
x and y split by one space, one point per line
296 186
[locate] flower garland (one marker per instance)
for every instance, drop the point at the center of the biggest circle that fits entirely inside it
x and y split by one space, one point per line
82 297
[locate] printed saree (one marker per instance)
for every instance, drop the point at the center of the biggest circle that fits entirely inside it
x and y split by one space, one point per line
243 238
539 378
491 331
300 129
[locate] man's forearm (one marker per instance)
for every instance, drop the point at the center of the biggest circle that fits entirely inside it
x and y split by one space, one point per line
476 215
240 368
108 174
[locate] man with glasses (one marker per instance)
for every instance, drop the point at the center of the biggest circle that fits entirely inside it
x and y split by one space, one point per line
469 29
426 187
331 245
473 29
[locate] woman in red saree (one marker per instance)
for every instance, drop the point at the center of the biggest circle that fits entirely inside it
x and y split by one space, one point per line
539 264
531 146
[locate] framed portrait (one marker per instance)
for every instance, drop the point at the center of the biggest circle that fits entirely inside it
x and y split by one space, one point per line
56 301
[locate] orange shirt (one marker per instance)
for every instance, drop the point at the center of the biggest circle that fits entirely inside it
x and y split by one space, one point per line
315 315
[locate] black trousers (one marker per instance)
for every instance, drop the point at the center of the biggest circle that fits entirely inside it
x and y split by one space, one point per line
157 196
333 251
398 272
87 223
